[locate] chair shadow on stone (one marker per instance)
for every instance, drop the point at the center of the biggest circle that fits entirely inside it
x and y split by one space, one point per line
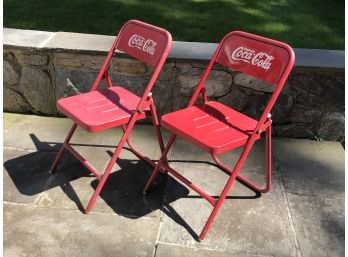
30 172
122 191
30 175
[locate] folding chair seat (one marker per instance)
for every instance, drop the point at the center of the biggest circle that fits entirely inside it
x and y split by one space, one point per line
217 128
213 127
102 109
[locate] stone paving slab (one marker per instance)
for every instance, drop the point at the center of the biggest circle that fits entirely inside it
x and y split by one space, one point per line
25 175
73 187
26 38
310 167
164 250
319 225
211 179
256 161
32 231
319 58
302 215
34 132
313 175
27 180
48 133
192 50
246 224
122 193
72 41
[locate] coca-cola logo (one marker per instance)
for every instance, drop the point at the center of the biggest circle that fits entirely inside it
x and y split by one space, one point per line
143 44
259 59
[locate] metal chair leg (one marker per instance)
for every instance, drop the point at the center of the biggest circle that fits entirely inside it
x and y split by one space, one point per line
110 165
248 182
268 159
157 125
218 205
159 164
268 167
138 153
62 148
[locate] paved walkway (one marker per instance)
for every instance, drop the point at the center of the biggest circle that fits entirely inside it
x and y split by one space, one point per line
303 214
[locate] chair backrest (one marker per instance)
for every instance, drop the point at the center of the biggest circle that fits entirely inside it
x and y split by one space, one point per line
143 41
261 57
257 56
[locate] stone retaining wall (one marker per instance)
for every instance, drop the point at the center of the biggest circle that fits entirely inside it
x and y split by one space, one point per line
310 106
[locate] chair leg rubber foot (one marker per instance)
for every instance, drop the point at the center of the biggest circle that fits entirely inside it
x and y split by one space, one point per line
52 172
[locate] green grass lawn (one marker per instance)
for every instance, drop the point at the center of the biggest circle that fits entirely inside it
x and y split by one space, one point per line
301 23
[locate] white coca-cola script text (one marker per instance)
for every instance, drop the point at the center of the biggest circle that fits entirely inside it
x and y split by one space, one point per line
259 59
146 45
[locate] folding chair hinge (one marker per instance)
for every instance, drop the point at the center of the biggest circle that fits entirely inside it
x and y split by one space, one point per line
265 125
269 116
269 119
146 104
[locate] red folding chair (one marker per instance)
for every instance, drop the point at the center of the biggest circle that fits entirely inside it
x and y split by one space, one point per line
216 128
114 106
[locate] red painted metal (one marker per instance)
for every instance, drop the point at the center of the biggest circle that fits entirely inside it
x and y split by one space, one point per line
217 128
136 152
61 150
160 163
260 57
102 109
213 126
114 106
142 42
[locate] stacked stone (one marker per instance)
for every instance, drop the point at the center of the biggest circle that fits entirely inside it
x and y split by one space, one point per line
310 106
27 83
